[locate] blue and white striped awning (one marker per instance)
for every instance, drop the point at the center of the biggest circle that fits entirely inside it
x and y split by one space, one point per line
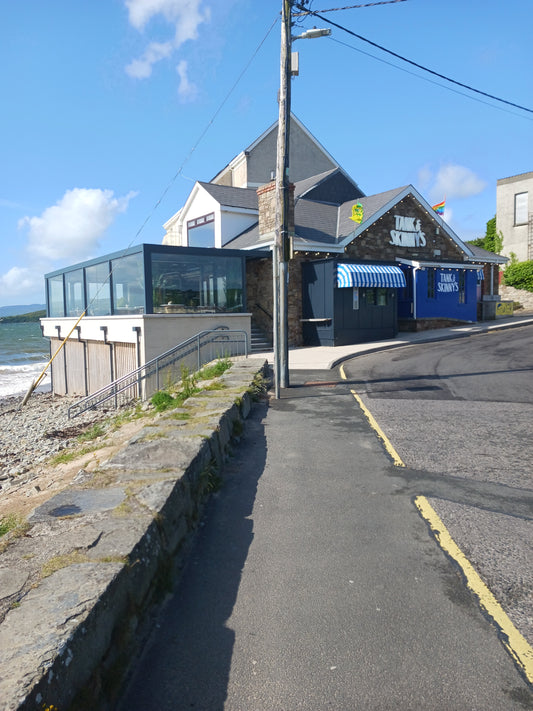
370 275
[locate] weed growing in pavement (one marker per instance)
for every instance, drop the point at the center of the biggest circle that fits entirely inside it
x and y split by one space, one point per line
67 456
162 400
11 522
215 370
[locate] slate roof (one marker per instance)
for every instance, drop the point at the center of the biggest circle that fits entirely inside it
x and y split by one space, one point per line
483 255
318 222
247 239
371 204
333 186
232 197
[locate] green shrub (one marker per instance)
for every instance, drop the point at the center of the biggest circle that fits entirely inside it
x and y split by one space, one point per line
519 275
162 400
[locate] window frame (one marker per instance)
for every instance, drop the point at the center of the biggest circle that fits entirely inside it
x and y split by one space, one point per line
522 210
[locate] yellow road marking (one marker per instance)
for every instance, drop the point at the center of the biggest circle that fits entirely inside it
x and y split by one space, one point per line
516 645
373 423
513 641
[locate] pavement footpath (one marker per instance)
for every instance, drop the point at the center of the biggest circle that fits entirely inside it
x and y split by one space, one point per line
98 556
115 536
316 581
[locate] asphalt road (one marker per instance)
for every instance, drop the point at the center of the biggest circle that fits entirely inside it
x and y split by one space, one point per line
315 584
459 413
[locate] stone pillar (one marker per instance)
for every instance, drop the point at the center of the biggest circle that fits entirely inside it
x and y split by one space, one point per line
266 196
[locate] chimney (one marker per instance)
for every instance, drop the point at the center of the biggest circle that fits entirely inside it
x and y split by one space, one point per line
266 196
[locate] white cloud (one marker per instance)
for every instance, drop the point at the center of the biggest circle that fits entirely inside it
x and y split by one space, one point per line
185 16
142 68
187 91
450 181
19 280
73 227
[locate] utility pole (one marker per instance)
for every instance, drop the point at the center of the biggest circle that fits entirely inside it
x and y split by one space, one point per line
281 249
280 257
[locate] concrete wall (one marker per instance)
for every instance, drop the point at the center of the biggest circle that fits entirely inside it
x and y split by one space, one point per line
515 237
92 357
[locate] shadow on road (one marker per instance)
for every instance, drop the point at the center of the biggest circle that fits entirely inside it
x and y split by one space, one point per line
187 663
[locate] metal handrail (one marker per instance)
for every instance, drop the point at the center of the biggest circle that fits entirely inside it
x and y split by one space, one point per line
264 311
154 367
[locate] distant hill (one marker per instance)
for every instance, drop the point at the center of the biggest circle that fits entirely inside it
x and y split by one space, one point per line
23 318
16 310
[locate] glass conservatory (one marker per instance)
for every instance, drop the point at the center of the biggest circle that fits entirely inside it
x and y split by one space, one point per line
150 279
136 305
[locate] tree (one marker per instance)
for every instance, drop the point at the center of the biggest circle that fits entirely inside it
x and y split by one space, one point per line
492 241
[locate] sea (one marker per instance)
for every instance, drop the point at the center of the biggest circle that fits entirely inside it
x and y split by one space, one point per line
23 355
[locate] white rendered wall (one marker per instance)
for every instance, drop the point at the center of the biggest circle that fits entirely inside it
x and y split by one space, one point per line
159 332
233 223
515 237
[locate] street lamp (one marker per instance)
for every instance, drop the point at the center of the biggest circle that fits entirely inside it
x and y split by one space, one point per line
281 248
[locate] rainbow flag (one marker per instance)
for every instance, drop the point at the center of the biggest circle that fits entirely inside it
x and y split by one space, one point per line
439 207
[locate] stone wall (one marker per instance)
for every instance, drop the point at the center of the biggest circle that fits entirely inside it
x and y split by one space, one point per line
68 639
521 296
259 298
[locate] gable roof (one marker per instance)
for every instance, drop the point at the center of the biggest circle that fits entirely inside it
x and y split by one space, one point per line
372 205
333 186
232 197
328 227
381 203
268 138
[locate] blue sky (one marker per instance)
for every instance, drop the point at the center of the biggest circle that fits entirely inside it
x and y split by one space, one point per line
104 103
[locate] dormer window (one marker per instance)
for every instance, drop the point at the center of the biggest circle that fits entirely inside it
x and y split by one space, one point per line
201 231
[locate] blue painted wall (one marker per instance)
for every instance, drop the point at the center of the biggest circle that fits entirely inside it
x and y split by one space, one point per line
445 302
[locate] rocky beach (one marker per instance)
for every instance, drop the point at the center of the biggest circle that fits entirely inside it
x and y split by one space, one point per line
31 434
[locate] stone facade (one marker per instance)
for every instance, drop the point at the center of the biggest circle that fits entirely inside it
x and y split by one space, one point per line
428 244
266 196
259 297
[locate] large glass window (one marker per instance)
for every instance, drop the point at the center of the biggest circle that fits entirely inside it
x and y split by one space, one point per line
98 290
128 284
195 283
520 208
56 303
201 231
74 292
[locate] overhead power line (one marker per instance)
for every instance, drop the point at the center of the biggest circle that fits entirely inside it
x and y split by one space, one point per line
430 80
349 7
415 64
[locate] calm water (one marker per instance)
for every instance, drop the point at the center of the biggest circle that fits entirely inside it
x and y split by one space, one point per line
23 354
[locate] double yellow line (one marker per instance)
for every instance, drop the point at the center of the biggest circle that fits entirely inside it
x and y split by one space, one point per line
517 646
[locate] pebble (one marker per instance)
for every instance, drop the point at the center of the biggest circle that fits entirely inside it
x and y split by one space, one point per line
31 434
